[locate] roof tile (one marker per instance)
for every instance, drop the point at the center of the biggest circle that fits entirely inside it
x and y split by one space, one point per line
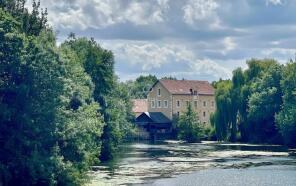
184 86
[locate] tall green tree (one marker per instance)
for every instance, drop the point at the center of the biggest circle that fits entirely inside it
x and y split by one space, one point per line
28 92
114 100
222 116
264 102
50 127
189 126
238 80
286 118
249 102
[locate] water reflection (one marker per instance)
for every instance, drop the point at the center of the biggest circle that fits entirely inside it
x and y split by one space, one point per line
142 162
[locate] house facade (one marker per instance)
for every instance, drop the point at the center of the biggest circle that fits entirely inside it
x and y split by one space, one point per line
171 97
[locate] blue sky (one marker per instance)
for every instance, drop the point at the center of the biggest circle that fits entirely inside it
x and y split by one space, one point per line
191 39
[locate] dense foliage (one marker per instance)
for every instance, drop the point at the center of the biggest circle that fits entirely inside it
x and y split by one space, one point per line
61 108
286 118
257 104
111 95
188 126
139 88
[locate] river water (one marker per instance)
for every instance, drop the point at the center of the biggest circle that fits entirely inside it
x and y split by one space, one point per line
207 163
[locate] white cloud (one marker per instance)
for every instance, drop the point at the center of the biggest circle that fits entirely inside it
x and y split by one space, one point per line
274 42
229 44
149 56
278 52
160 43
210 68
274 2
201 12
82 14
152 57
143 13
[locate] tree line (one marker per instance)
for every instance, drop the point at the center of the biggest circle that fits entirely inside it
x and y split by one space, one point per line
62 108
258 104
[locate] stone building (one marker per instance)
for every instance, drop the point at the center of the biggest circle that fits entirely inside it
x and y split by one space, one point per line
171 97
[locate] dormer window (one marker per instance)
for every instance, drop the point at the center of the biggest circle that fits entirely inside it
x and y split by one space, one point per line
191 91
158 92
195 92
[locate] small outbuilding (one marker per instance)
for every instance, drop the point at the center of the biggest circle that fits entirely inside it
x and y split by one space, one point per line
154 125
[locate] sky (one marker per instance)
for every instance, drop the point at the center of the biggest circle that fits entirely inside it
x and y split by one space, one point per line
191 39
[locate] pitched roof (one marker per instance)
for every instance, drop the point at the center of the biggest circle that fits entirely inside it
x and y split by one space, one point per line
184 86
140 105
155 117
158 117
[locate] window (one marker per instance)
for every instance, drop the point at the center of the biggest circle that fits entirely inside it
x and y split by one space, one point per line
158 93
204 103
195 104
165 102
178 113
187 103
159 104
213 104
204 114
178 103
152 104
195 92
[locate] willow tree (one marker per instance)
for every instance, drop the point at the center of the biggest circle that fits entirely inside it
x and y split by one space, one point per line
236 102
223 115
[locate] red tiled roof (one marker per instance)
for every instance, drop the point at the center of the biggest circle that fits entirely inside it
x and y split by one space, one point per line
184 86
140 105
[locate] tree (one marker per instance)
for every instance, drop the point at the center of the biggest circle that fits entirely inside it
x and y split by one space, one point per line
222 116
249 102
169 78
141 86
113 98
189 127
264 102
29 88
50 127
118 118
30 23
286 118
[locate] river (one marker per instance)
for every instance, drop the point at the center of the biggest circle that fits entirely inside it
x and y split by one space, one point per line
207 163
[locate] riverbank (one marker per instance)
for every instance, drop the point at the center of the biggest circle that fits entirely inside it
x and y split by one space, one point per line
143 163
